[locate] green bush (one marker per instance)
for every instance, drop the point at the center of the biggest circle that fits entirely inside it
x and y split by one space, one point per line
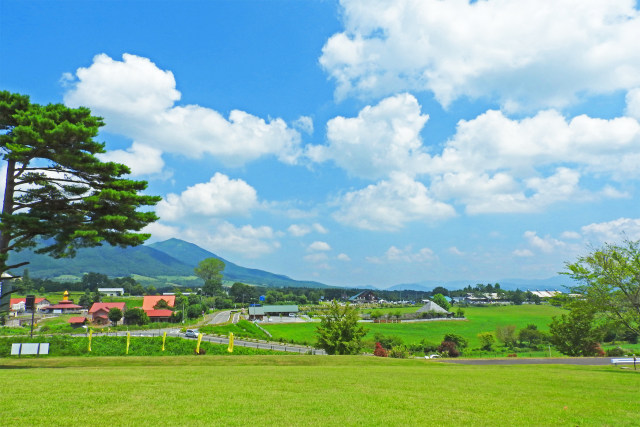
399 352
617 352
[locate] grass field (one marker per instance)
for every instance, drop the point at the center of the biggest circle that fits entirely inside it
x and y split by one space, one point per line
310 390
479 319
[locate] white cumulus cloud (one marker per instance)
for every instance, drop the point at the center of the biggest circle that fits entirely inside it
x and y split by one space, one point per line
613 231
390 204
545 244
533 53
137 99
319 246
381 139
220 197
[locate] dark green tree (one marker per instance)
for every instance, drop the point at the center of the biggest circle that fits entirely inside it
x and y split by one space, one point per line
210 270
58 195
339 331
85 300
115 314
136 316
575 334
93 281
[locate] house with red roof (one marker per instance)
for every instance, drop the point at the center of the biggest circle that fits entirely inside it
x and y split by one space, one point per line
18 304
99 311
149 302
76 322
158 315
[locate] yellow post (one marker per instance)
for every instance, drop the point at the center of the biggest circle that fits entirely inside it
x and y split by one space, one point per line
164 338
128 339
90 334
230 349
198 345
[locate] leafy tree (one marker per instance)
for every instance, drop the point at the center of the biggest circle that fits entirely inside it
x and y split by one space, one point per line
531 335
115 314
506 334
96 297
93 281
440 290
57 193
339 331
210 270
85 300
240 292
609 280
194 311
151 290
441 301
162 305
575 334
486 340
136 316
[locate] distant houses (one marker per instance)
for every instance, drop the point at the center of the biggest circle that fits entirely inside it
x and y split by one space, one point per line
19 304
364 297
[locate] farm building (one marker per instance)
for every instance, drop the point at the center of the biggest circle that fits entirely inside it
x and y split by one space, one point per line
259 313
64 306
111 292
150 301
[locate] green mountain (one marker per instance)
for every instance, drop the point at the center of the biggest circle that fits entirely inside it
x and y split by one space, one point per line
171 261
191 254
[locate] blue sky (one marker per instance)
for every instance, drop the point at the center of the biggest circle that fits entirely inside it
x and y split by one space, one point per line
358 142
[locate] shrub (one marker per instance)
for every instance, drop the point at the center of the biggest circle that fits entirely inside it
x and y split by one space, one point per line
460 312
449 348
388 342
399 352
460 341
596 350
380 351
512 355
506 334
616 352
487 340
428 346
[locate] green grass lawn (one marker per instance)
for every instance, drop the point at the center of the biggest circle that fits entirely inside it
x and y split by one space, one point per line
479 319
310 390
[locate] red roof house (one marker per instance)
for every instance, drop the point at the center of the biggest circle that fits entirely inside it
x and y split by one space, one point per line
150 301
159 315
100 310
77 321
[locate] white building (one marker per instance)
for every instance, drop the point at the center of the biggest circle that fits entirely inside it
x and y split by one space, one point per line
112 292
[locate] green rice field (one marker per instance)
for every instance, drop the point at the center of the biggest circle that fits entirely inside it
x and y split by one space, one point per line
310 391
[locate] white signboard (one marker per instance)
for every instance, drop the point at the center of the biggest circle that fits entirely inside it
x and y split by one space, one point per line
15 349
30 348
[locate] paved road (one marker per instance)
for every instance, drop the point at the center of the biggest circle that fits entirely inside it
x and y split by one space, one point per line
592 361
221 317
264 345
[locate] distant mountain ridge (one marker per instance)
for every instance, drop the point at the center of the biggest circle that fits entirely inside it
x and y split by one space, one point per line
551 283
171 258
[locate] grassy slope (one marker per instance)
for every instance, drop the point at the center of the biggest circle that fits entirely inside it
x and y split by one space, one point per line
480 319
311 390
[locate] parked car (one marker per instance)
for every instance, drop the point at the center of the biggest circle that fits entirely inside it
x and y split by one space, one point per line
191 333
292 315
